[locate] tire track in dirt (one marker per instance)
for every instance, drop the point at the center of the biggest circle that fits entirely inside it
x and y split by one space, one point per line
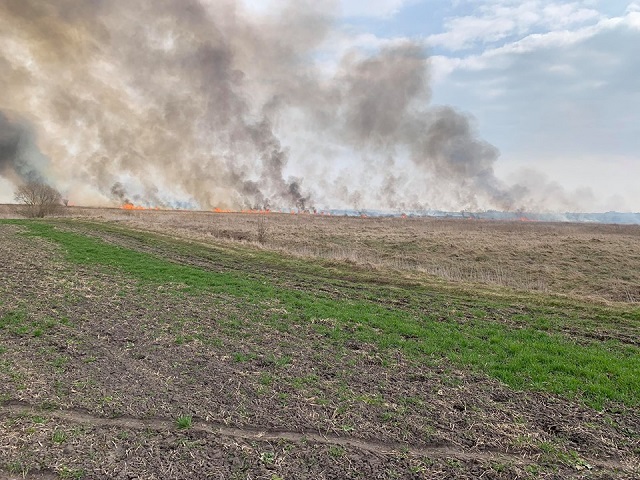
267 435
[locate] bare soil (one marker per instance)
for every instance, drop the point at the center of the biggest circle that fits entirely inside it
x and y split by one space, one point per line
94 379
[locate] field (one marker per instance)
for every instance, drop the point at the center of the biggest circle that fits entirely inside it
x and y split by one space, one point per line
152 344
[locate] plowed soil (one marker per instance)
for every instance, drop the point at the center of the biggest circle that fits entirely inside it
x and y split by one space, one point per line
97 368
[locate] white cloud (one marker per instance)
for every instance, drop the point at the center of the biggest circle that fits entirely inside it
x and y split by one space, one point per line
492 57
633 7
501 19
564 102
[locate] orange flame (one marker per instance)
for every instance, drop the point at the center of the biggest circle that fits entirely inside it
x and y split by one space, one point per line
131 206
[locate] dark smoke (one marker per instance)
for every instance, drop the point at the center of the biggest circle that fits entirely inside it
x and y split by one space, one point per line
9 143
20 158
119 193
200 101
379 91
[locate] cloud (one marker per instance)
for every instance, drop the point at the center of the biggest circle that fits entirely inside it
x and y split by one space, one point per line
495 56
586 53
559 98
499 20
633 7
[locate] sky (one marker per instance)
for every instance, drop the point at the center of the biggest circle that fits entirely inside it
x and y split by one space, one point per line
539 96
554 85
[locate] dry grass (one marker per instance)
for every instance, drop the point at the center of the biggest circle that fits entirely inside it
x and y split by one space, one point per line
585 260
10 211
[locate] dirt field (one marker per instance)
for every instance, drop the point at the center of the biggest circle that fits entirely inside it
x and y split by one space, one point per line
221 359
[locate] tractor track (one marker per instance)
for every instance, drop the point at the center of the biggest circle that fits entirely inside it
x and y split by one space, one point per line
78 416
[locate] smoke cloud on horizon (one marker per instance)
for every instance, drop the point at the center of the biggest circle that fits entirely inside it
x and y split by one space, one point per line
203 103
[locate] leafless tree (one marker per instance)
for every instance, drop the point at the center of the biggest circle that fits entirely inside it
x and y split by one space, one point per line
39 199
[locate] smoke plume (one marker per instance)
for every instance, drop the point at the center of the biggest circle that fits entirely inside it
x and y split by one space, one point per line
202 102
20 157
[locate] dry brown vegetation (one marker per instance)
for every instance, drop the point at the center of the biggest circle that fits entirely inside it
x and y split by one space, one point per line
593 261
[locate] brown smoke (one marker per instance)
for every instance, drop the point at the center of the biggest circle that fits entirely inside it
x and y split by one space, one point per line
161 101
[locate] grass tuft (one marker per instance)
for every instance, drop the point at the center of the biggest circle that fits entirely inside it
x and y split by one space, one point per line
184 422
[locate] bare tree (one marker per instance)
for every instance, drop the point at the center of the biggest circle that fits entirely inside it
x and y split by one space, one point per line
39 199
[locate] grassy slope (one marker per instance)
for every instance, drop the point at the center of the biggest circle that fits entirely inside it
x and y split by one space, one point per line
529 354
